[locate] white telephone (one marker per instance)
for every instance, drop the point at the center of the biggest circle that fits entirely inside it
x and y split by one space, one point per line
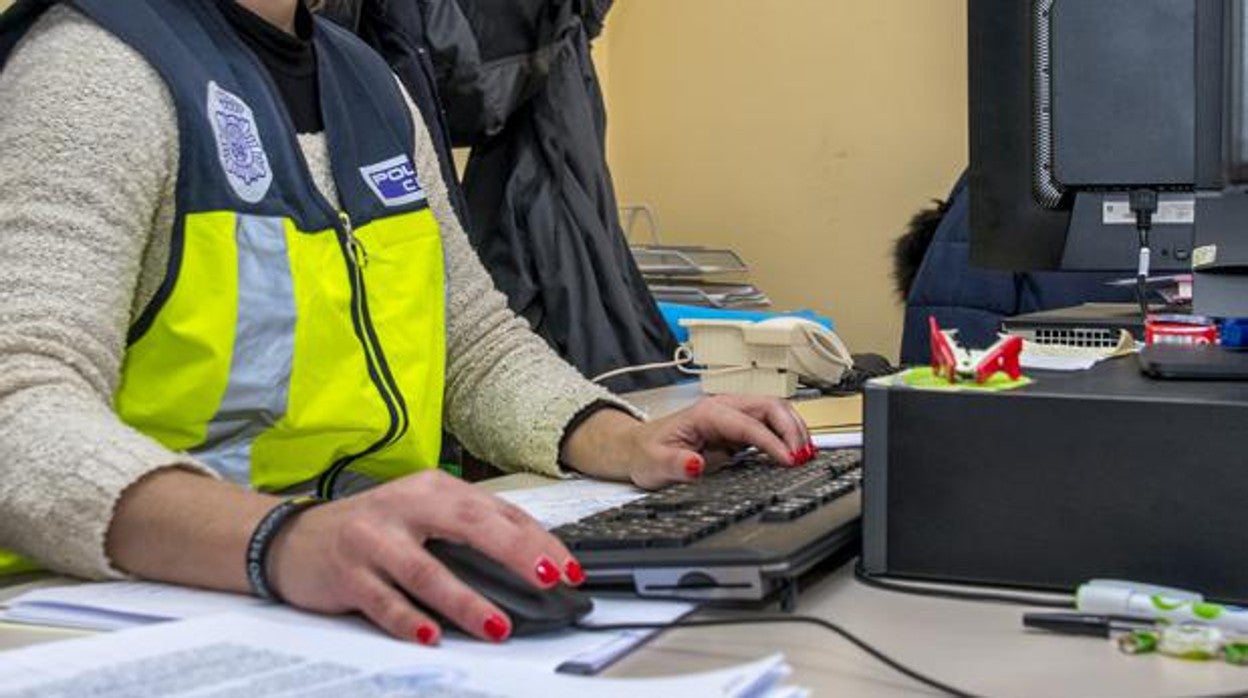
766 358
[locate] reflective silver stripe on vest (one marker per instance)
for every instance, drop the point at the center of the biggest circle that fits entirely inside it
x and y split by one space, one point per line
264 340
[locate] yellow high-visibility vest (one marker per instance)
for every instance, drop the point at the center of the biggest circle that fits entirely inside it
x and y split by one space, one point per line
291 339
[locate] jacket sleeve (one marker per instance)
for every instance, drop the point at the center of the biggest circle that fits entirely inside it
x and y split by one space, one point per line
88 143
481 91
491 58
509 398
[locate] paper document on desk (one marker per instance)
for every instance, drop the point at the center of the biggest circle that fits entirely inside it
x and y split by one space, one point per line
838 440
566 501
121 605
1062 357
834 422
240 656
831 414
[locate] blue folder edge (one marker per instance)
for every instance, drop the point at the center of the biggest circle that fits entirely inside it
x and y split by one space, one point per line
673 313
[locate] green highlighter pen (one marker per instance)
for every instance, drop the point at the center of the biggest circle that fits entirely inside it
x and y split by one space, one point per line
1127 599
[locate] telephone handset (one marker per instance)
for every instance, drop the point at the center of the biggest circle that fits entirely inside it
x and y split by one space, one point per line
820 355
767 357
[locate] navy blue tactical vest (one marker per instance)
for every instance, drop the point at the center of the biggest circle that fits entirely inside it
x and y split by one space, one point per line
292 337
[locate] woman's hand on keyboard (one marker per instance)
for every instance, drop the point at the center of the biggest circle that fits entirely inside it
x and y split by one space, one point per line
683 446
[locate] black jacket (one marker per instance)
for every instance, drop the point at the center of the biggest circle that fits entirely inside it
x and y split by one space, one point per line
517 83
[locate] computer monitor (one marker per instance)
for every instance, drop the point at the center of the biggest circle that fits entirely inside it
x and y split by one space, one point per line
1074 104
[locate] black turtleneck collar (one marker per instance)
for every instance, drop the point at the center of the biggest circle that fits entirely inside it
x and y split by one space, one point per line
290 60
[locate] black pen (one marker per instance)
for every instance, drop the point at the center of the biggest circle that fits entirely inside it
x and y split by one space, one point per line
1083 623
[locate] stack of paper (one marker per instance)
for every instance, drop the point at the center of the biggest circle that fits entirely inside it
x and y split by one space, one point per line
711 295
121 605
243 656
834 422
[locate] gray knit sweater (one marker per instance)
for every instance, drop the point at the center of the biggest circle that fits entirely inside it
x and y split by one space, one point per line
88 162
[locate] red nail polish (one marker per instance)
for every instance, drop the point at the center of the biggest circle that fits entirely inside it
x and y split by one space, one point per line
496 627
694 466
574 573
547 573
426 634
796 457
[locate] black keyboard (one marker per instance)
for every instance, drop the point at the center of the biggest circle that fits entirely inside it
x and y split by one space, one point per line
751 515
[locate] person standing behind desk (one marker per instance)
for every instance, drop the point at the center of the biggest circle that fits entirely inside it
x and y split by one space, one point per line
227 277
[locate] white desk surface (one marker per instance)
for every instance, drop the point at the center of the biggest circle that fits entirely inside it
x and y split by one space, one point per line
979 647
976 646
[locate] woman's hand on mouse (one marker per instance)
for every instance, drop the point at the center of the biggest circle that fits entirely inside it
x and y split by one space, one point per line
366 554
683 446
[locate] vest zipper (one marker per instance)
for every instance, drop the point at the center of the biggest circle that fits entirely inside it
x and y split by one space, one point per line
378 369
360 257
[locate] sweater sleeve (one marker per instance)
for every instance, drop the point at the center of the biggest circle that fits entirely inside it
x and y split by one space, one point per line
88 146
509 397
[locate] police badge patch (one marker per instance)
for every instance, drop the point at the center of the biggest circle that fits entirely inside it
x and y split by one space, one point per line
394 181
239 147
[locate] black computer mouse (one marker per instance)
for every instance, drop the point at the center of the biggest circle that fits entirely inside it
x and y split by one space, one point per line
531 610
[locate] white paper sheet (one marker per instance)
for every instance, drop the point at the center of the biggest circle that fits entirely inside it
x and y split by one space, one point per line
1057 363
849 439
120 605
568 651
584 652
571 500
1062 357
237 656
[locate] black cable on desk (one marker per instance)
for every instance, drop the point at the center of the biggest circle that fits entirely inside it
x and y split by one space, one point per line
1143 204
771 619
827 625
921 590
901 587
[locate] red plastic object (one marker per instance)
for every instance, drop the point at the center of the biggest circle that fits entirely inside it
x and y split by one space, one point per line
944 361
1003 357
1161 332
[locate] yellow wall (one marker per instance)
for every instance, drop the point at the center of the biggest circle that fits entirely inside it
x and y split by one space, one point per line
4 4
802 133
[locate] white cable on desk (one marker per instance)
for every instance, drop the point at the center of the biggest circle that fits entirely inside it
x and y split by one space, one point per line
680 361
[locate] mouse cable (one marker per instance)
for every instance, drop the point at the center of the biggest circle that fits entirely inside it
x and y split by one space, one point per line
827 625
1057 601
769 619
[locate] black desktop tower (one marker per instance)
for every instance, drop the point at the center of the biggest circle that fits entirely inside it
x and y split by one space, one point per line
1100 473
